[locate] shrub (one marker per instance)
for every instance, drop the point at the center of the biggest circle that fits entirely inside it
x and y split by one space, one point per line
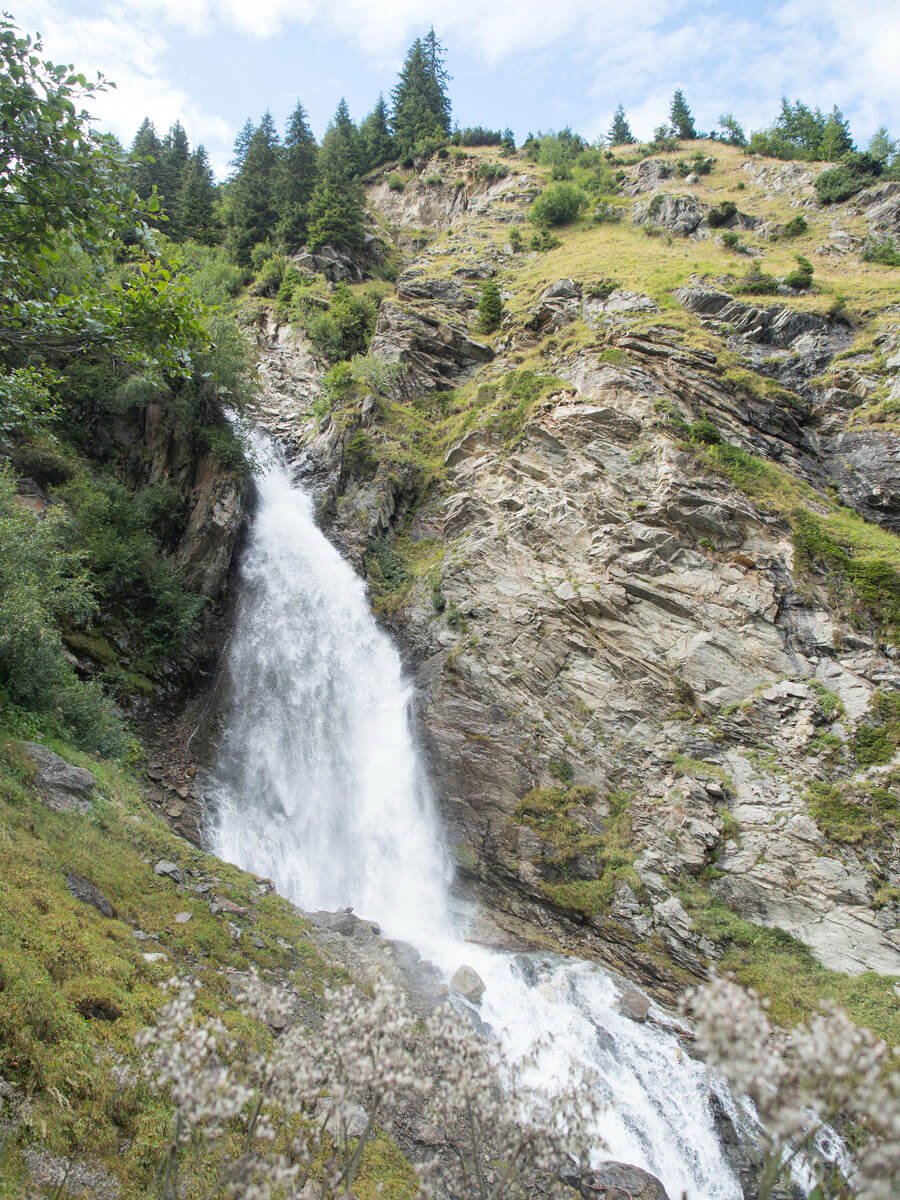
489 171
359 456
345 327
719 216
395 183
558 204
885 254
854 172
795 227
757 283
607 214
544 240
705 432
732 241
802 278
271 273
516 240
433 180
490 307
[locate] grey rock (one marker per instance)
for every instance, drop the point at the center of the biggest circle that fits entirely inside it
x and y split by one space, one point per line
435 354
82 889
866 467
182 918
680 215
557 305
468 983
617 1181
60 786
880 206
170 870
649 175
336 263
634 1004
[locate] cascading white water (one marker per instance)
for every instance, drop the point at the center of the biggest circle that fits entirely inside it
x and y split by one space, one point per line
318 786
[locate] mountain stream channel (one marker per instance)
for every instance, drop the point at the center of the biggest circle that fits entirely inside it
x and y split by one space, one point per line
318 786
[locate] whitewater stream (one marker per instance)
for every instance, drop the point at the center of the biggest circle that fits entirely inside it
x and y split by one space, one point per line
318 786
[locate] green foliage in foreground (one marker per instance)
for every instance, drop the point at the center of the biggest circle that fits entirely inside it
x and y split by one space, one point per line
75 986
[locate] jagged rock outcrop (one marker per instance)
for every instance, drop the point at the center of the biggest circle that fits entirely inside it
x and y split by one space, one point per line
434 353
680 215
880 206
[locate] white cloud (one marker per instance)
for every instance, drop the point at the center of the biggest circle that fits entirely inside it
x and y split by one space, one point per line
815 49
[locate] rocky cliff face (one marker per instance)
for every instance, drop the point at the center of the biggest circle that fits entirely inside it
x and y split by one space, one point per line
640 549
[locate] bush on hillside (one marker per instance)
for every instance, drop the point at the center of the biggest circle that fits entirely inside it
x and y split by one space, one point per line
854 173
801 279
558 204
884 253
795 227
490 307
722 214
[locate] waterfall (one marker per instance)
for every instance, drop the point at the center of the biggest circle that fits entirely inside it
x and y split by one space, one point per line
318 786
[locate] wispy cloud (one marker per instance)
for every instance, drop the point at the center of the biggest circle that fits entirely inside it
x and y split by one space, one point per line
815 49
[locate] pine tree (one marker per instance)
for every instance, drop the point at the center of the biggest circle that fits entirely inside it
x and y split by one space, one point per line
295 178
680 117
836 139
251 207
242 144
421 111
345 138
882 146
620 131
490 307
438 78
197 199
336 208
146 151
507 142
375 134
732 130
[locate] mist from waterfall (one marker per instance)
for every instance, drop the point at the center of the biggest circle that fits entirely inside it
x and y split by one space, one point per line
318 786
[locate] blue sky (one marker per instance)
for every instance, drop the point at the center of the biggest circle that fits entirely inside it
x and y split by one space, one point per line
529 64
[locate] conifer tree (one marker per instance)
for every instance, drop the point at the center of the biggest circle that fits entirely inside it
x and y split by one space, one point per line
620 131
295 179
422 111
251 207
882 146
375 135
242 144
836 139
336 208
345 138
438 79
196 200
146 145
680 117
174 157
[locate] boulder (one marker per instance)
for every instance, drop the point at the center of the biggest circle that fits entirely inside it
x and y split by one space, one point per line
468 983
170 870
336 263
82 889
556 306
680 215
617 1181
649 175
61 786
634 1004
866 467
